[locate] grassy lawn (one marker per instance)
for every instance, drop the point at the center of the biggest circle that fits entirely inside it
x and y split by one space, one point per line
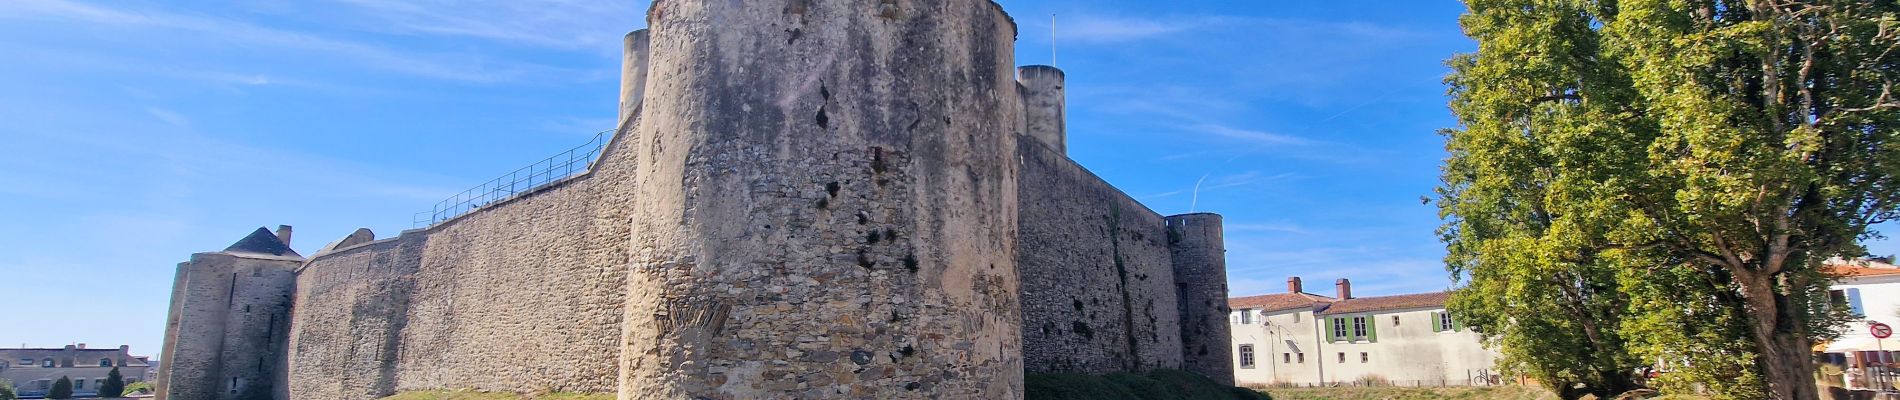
1407 393
462 395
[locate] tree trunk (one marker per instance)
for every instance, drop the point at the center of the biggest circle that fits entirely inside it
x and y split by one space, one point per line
1786 361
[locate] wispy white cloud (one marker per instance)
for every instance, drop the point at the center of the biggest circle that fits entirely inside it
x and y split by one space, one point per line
169 116
1246 178
211 30
1103 29
558 24
1248 135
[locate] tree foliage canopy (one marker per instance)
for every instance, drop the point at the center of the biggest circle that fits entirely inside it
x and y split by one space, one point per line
1639 179
62 389
114 384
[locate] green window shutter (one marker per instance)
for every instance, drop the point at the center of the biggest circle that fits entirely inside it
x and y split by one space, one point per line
1372 328
1457 325
1435 319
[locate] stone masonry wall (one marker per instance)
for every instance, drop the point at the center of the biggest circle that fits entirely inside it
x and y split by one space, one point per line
525 295
1097 281
833 210
351 308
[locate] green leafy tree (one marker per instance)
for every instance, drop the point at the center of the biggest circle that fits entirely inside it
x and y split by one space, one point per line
62 389
6 390
114 384
1525 228
1713 152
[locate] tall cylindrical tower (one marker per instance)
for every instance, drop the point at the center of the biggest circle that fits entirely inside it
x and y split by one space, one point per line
1043 108
633 73
828 202
1199 252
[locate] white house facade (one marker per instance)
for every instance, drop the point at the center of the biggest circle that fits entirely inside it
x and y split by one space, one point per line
1302 339
1871 289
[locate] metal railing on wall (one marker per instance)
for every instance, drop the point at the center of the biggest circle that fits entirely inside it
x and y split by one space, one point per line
524 180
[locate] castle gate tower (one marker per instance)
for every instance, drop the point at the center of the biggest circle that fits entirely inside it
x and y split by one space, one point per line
828 202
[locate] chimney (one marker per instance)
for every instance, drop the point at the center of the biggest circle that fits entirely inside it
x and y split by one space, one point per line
283 234
1293 285
1345 288
82 346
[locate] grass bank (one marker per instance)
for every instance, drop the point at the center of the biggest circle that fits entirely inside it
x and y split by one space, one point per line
466 395
1157 385
1411 393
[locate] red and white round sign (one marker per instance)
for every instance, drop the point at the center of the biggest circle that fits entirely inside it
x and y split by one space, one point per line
1880 330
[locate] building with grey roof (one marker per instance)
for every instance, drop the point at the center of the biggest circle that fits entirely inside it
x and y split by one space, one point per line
33 370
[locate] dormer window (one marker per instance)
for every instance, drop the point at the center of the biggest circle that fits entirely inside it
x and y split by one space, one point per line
47 363
105 362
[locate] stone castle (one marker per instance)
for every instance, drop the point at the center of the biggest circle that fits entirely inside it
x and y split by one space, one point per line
804 199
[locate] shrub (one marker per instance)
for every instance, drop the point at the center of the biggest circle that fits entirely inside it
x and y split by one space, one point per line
6 390
62 389
1372 380
114 384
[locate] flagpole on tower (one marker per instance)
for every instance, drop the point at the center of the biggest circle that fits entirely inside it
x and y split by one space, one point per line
1052 39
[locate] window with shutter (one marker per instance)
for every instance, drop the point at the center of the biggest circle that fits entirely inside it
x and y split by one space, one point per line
1358 328
1339 330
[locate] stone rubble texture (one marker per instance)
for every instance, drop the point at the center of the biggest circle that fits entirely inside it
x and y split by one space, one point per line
805 199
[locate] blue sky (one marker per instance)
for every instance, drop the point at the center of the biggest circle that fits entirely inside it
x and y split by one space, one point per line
134 133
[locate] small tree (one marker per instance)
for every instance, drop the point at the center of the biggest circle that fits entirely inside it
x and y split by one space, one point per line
114 385
62 389
6 390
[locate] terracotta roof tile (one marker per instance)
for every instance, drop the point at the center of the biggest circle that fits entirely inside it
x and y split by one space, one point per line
1845 271
1278 301
1382 303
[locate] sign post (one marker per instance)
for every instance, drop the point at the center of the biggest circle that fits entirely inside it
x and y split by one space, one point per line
1881 332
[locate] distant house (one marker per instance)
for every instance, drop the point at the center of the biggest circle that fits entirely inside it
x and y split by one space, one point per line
1870 288
33 371
1304 339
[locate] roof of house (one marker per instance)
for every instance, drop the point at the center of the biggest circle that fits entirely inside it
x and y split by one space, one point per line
15 354
1383 303
1278 301
1860 268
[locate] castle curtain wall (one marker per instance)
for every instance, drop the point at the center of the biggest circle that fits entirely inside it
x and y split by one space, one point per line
1098 286
523 295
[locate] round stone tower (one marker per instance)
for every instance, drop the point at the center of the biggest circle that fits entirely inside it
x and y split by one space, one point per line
828 202
1197 247
1043 108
